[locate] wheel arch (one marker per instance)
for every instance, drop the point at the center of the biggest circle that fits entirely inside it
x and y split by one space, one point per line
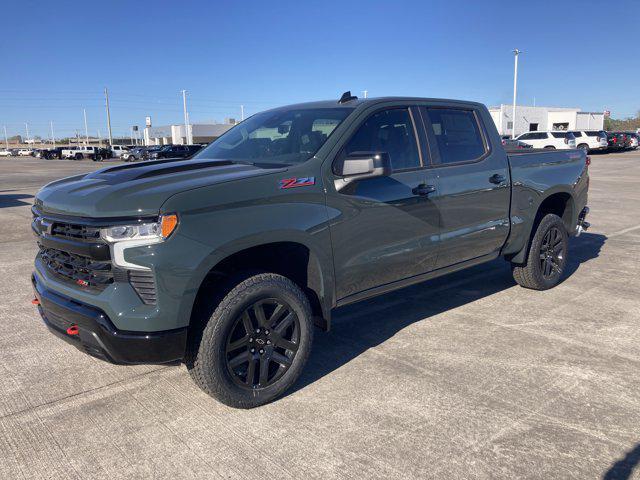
560 202
288 256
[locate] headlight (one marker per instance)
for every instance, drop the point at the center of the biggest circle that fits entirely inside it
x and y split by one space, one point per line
153 232
122 237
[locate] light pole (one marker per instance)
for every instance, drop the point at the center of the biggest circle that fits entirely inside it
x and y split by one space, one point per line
241 113
516 52
26 125
186 118
365 92
53 138
86 130
106 97
6 139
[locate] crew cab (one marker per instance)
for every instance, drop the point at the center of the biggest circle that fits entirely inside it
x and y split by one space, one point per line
228 260
561 140
591 140
85 151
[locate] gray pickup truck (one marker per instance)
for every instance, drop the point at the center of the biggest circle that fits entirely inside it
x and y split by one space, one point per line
228 260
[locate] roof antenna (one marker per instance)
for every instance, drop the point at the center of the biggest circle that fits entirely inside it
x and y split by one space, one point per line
347 97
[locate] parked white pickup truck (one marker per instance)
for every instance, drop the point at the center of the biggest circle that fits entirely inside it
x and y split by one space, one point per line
83 151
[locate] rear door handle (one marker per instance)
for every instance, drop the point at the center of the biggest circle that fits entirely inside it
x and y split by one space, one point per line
423 190
497 178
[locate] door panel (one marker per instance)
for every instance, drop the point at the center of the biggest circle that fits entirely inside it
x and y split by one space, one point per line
473 186
383 232
382 229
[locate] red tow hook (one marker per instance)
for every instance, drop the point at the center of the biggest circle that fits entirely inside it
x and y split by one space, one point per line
35 301
73 330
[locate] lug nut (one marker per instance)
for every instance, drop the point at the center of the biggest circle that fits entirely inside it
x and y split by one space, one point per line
266 332
261 351
253 350
258 331
268 342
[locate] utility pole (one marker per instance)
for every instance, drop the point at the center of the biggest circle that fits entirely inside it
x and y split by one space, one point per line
187 137
516 52
6 139
106 96
99 139
86 130
365 93
241 112
26 125
53 138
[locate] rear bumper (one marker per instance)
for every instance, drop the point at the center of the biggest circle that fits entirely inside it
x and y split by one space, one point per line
97 336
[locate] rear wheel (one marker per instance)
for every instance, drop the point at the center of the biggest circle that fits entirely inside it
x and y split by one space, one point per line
584 146
78 156
547 256
255 344
550 147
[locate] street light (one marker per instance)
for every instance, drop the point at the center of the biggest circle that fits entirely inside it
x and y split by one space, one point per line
516 52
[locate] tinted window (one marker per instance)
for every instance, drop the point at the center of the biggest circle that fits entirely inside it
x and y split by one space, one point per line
577 134
457 134
525 136
594 134
388 131
561 134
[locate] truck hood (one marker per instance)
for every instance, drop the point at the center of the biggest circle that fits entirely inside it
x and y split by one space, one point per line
137 189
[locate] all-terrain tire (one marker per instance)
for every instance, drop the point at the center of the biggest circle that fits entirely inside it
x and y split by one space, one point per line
551 235
206 357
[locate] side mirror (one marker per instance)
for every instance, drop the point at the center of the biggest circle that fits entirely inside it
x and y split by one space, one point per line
282 129
362 165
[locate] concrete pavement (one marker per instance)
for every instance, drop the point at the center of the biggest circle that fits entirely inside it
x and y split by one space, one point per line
466 376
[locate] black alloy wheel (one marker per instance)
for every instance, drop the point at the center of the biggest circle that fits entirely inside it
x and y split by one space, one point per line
552 253
262 343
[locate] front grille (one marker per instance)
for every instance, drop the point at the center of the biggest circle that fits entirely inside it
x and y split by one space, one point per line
82 271
77 232
144 284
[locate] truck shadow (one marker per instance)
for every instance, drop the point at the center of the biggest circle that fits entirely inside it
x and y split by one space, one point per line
14 200
359 327
623 468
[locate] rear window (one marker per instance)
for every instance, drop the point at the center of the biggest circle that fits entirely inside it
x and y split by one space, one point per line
457 134
562 135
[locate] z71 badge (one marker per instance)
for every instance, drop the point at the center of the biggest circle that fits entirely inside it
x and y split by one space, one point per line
297 182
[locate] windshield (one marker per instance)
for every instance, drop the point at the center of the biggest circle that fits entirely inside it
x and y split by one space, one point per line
281 136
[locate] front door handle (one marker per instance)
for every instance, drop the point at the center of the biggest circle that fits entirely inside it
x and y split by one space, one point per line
497 178
423 190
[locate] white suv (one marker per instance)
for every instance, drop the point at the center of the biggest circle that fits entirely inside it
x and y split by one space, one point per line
562 140
589 140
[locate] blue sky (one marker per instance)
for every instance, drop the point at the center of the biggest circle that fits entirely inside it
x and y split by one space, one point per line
58 56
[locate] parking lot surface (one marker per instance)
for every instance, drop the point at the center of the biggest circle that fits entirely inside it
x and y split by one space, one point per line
466 376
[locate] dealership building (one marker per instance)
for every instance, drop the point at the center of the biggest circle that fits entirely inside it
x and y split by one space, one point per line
531 119
176 134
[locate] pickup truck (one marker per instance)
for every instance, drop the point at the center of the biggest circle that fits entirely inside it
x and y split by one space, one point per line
228 260
96 154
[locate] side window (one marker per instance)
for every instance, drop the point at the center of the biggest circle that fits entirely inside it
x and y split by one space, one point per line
540 136
457 134
388 131
577 134
525 136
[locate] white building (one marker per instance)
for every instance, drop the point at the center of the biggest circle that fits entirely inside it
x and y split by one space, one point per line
175 134
531 119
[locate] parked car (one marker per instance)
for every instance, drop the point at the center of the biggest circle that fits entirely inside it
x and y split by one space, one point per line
561 140
118 150
6 153
133 154
25 152
633 139
148 151
174 151
615 141
510 144
590 140
227 260
86 151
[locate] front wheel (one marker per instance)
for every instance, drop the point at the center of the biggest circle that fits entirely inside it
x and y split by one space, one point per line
255 344
547 256
584 147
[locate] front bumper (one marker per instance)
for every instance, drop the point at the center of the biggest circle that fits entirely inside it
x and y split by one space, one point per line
90 330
